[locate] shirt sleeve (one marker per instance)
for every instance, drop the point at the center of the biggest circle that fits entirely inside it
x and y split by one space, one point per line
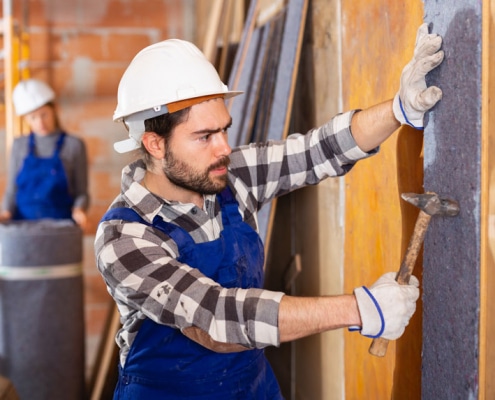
275 168
146 280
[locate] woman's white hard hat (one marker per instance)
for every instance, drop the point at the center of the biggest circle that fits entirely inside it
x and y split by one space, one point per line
162 78
31 94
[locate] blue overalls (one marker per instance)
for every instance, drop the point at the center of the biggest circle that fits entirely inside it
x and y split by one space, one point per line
163 363
42 188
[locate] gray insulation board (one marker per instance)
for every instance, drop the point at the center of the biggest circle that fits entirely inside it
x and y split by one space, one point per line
452 167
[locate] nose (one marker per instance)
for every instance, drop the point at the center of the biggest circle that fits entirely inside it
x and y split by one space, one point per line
222 144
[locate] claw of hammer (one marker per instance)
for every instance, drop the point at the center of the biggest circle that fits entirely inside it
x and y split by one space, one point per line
432 204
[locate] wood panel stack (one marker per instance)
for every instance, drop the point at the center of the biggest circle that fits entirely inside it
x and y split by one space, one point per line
265 68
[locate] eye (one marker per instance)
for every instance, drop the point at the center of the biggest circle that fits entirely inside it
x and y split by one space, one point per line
205 138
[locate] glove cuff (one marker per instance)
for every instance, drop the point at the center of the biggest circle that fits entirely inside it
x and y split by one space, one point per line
401 116
373 322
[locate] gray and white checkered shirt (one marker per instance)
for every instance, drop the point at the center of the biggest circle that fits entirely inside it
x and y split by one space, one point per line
139 264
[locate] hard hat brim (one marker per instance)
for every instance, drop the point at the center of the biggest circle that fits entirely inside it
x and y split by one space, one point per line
134 143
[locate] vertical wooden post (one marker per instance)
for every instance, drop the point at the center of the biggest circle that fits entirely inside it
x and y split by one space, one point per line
378 225
487 273
8 28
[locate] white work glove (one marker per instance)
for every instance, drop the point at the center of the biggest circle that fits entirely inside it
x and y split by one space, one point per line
386 307
414 98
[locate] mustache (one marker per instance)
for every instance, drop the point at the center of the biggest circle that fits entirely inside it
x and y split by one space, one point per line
223 162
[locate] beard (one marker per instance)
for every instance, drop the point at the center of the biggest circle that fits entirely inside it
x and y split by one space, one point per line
185 176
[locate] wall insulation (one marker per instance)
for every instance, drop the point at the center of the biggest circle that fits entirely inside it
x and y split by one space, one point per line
452 164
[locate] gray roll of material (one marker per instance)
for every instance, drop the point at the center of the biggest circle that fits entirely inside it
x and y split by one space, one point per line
42 348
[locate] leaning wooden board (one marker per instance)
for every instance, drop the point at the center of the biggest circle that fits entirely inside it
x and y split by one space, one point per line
281 75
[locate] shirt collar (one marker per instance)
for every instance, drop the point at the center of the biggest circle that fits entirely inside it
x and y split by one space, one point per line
145 203
138 197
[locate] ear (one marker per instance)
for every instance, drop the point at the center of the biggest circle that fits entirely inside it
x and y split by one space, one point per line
154 144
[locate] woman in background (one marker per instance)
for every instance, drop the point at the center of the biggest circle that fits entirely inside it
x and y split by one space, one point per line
47 175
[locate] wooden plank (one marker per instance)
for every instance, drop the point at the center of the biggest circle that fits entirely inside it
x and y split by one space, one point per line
285 84
292 272
287 69
249 69
243 113
241 75
105 373
487 275
238 21
372 188
228 19
238 65
254 116
211 37
264 107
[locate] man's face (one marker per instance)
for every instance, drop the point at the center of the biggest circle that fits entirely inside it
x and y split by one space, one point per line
197 154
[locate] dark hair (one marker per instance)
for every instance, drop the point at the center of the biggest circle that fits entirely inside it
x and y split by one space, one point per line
55 114
163 125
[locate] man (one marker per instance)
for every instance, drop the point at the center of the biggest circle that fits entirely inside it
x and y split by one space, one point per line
178 248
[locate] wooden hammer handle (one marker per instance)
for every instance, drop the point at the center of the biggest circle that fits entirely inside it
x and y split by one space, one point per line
379 345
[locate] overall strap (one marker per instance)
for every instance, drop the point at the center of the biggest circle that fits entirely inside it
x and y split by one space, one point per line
229 206
59 144
32 144
178 234
129 215
226 197
123 213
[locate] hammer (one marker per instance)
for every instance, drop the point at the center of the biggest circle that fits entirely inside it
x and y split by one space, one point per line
429 204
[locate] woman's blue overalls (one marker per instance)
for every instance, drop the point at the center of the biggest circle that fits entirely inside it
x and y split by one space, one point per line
163 363
42 188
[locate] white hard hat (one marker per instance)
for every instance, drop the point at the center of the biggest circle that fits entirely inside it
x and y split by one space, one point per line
31 94
164 77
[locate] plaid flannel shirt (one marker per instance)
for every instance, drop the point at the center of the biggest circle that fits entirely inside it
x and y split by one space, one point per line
139 264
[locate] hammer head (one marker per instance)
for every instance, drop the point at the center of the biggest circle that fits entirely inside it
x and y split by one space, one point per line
432 204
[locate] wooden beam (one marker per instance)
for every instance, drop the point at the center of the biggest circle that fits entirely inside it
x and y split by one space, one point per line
228 19
487 272
211 37
105 373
